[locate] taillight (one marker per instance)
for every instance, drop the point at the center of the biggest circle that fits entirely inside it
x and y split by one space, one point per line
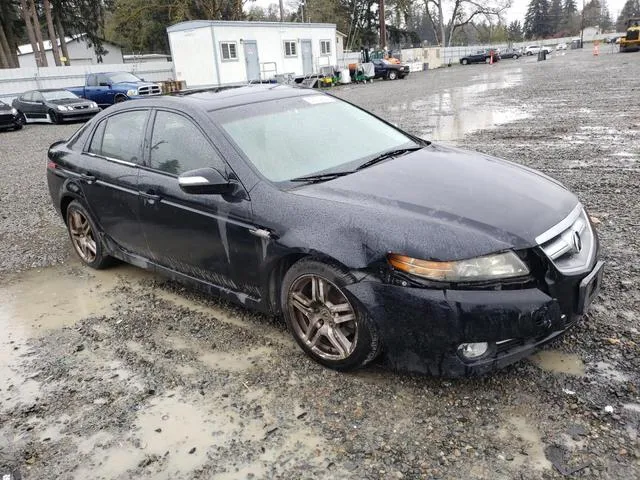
51 164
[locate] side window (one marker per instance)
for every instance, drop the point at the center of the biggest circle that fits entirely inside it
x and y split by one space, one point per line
37 97
325 47
229 51
178 146
120 136
103 80
91 81
28 97
96 141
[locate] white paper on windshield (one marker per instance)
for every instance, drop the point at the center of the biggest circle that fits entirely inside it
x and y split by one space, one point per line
316 99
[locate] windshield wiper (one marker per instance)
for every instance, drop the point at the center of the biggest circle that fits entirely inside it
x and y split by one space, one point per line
389 154
322 177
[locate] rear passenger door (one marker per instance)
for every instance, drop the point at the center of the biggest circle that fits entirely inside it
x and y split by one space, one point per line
204 236
110 177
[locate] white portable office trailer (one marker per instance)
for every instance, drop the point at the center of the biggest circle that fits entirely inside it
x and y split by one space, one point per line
210 53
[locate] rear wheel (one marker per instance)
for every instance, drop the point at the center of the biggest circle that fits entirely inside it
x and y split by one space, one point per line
515 57
326 321
465 61
84 236
392 75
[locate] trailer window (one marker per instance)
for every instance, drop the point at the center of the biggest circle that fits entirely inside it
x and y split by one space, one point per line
290 48
325 47
229 50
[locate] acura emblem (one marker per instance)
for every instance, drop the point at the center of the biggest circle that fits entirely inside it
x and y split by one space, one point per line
576 242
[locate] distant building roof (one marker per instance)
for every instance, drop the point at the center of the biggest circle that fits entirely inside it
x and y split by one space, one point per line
193 24
27 48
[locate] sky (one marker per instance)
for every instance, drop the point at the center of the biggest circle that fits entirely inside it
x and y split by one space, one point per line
516 12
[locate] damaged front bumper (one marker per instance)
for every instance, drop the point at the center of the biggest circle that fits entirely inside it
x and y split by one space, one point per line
423 329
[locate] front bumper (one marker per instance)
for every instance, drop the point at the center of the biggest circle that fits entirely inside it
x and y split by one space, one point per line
9 121
422 328
84 114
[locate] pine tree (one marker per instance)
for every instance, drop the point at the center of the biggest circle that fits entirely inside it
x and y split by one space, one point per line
556 16
514 31
631 9
536 21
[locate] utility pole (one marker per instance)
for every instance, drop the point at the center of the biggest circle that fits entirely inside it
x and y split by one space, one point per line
282 10
383 27
582 26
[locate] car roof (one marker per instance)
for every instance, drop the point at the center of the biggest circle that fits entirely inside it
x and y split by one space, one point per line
47 90
224 97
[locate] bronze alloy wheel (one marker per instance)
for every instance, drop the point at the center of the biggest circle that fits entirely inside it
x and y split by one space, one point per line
82 236
322 317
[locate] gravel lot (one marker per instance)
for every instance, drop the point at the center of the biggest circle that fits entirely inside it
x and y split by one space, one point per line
121 374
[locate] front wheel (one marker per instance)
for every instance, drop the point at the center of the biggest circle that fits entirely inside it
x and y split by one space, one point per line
55 117
515 57
465 61
392 75
326 321
119 99
84 236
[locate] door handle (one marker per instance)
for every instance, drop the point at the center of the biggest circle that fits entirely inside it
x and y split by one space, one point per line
88 178
150 196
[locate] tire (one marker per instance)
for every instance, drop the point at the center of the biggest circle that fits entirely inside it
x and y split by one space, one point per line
311 290
515 57
17 126
119 99
487 60
55 117
464 61
80 224
392 75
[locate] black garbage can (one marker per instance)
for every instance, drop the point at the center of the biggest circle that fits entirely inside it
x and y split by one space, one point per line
542 55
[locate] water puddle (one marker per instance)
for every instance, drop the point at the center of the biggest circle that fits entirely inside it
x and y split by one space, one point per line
455 112
532 453
235 361
559 362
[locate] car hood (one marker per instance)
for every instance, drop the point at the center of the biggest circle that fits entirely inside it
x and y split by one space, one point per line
132 85
446 203
5 107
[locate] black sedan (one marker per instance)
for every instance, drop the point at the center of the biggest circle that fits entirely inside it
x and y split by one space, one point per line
385 69
9 117
54 105
481 56
368 240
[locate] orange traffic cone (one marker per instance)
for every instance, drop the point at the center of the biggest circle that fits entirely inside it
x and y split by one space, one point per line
491 61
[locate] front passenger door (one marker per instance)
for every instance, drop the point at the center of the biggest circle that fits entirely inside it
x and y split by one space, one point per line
204 236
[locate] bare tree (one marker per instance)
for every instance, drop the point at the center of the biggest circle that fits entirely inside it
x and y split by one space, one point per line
463 12
52 33
38 32
26 16
61 34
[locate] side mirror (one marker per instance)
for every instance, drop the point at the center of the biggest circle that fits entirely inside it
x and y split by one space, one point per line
205 181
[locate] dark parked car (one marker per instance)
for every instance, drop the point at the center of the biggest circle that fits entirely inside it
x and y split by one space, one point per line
368 240
9 117
481 56
54 105
510 53
385 69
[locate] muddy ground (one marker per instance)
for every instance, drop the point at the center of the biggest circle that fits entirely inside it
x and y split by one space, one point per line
121 374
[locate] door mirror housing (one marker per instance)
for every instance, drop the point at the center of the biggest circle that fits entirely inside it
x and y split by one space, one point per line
205 181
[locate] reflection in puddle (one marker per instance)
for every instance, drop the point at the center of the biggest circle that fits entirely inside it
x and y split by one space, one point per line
455 112
559 362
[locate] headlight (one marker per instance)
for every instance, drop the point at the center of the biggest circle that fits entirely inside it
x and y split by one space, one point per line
132 93
62 108
490 267
94 105
14 112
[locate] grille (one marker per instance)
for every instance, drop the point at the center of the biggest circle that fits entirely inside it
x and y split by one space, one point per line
149 90
6 117
80 107
570 245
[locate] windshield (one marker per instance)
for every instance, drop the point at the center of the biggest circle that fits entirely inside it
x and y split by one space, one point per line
59 95
123 77
301 136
